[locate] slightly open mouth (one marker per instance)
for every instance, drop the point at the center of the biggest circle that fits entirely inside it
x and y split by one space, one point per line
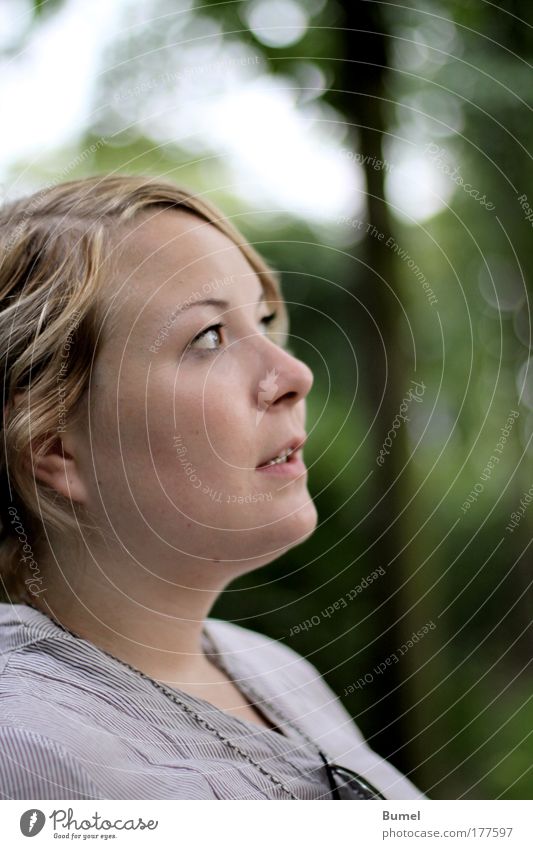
284 457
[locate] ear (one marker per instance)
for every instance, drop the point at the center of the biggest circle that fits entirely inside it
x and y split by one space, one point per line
59 468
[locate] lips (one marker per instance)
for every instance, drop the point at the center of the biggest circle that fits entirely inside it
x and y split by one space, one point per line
287 449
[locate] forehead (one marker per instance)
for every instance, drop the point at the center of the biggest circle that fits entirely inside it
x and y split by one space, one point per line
168 256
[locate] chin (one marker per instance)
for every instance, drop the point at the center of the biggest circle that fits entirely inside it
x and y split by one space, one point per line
275 534
296 527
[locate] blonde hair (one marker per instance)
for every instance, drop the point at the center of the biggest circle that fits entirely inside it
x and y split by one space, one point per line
54 248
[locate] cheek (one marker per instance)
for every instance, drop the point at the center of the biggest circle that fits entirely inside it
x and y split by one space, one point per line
223 412
159 436
225 427
188 442
214 420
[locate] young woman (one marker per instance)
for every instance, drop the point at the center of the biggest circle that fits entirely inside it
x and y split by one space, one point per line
151 453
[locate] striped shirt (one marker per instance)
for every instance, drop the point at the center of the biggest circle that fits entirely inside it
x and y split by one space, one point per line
76 723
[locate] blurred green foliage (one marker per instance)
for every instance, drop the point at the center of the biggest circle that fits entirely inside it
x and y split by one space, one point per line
457 713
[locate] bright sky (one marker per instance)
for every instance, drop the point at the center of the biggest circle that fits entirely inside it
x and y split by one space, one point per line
278 151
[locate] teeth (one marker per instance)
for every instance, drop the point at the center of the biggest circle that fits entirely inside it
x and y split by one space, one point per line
281 459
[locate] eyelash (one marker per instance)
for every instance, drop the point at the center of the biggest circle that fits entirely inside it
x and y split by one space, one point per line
267 319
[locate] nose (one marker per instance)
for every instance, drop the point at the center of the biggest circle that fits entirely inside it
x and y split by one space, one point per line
284 378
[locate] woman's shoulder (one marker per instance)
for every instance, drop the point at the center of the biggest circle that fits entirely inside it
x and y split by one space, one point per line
21 626
39 657
280 670
246 644
293 684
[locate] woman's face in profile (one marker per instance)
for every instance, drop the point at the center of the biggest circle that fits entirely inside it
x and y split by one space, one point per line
189 398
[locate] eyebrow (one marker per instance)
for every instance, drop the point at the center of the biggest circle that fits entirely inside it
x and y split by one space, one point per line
214 302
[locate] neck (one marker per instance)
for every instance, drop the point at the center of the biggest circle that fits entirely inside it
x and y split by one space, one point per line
152 624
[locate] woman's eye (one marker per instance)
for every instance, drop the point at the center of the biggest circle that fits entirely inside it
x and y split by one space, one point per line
209 339
268 319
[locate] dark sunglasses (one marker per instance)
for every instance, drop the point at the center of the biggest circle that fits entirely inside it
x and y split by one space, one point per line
347 784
